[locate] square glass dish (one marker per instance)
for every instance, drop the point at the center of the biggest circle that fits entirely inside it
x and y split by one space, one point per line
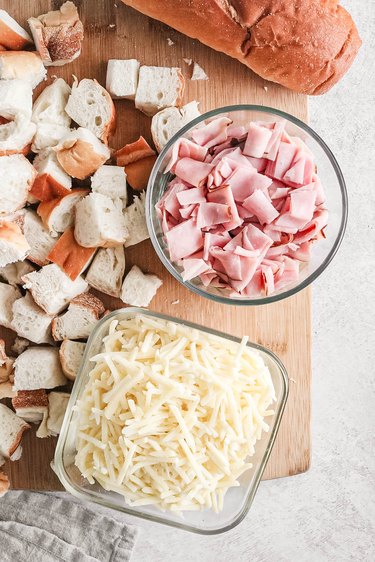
237 500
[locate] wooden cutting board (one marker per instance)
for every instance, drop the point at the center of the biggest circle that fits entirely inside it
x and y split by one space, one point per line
113 30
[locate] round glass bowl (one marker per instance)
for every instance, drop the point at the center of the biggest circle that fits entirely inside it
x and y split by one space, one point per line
330 175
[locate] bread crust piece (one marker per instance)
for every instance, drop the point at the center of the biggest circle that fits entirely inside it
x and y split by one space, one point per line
11 233
138 173
133 151
69 255
305 45
22 427
46 208
4 484
30 398
14 38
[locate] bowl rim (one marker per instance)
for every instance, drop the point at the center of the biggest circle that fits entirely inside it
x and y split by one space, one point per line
267 299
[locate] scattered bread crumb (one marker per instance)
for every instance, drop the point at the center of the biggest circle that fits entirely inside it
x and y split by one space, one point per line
188 61
112 25
265 88
170 42
292 380
115 5
198 73
176 301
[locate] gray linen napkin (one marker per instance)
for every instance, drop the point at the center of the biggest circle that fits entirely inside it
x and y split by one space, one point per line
37 527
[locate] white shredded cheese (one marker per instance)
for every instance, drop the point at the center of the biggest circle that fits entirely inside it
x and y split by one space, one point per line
170 416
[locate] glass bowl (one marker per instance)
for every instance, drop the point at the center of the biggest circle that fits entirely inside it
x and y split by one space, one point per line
330 175
237 500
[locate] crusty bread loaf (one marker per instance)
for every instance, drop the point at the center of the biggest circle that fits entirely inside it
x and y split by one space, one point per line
30 321
79 320
11 431
24 65
71 354
38 367
138 288
39 239
8 295
12 35
305 45
13 244
72 258
107 271
58 214
17 177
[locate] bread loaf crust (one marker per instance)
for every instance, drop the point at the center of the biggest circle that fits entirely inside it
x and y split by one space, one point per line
304 45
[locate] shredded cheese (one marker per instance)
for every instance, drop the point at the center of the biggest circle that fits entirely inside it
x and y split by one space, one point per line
170 416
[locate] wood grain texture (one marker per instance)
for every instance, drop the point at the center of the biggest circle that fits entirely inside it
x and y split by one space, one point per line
115 31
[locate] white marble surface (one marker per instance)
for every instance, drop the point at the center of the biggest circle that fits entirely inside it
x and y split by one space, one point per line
327 514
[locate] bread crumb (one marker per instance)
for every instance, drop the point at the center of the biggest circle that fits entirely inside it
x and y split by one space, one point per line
115 5
265 88
188 61
176 301
292 380
198 73
170 42
112 25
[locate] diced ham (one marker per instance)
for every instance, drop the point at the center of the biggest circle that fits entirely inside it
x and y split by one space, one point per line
237 132
190 196
184 148
273 144
280 166
193 267
224 196
260 164
211 214
227 262
187 211
184 239
192 171
260 206
215 132
257 140
268 279
171 203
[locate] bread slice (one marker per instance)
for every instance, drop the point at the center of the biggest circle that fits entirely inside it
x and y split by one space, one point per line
50 116
99 222
12 35
19 345
122 78
30 321
23 65
138 288
11 431
135 221
17 177
51 181
38 367
107 271
133 151
79 320
91 106
51 289
110 181
8 295
167 122
38 238
58 35
70 256
71 355
58 214
159 87
31 405
58 402
13 244
13 272
16 98
80 153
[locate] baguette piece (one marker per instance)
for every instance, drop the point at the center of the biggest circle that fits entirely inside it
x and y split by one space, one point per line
159 87
71 355
17 177
50 116
38 238
13 244
16 98
13 272
38 367
135 221
8 295
72 258
57 402
16 136
51 289
52 181
31 405
110 181
99 222
138 173
107 271
58 35
305 46
58 214
79 320
80 153
167 122
30 321
133 151
122 78
12 35
91 106
138 288
23 65
11 430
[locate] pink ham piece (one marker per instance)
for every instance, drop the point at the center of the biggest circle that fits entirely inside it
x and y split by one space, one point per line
280 166
192 171
193 267
257 140
273 144
184 239
261 207
189 196
184 148
212 214
215 132
224 196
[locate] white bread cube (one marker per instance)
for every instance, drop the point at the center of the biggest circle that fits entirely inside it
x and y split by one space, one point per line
80 153
17 177
167 122
79 320
13 36
91 106
71 355
16 136
107 271
158 87
51 289
31 405
11 431
30 321
122 78
135 221
13 272
58 215
51 181
38 237
138 288
57 404
110 181
16 98
23 65
13 244
38 367
8 296
99 222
